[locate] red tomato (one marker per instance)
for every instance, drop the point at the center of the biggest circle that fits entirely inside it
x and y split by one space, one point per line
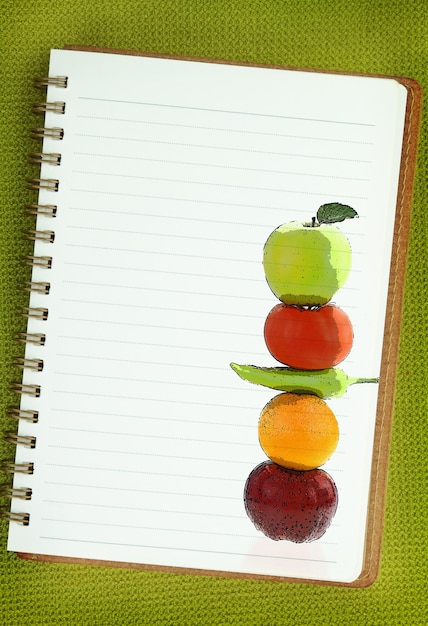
308 339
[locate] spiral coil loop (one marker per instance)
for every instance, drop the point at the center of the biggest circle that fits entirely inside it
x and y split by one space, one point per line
38 261
54 81
10 467
36 184
50 133
48 210
26 390
51 158
26 415
21 493
20 440
37 313
19 518
48 236
31 364
34 338
49 107
37 287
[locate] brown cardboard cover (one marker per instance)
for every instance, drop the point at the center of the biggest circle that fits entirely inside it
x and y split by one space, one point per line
385 406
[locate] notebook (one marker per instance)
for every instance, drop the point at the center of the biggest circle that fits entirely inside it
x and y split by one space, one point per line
161 179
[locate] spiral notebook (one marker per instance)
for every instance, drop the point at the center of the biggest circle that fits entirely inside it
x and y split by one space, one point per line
161 178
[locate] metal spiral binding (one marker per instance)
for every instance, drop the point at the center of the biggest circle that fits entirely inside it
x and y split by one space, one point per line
48 236
51 133
35 312
34 338
50 184
54 81
31 364
27 390
10 467
49 107
38 261
51 158
14 492
19 518
23 414
20 440
22 493
37 287
48 210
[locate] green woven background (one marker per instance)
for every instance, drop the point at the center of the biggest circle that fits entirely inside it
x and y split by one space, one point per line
373 36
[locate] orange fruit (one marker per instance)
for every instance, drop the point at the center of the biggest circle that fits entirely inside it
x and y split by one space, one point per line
298 431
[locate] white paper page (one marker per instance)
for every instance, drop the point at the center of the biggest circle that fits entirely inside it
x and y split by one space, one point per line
173 174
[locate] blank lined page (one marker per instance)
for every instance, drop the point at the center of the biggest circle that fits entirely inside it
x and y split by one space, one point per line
173 174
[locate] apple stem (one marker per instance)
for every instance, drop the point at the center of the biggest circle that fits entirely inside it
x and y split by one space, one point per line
313 221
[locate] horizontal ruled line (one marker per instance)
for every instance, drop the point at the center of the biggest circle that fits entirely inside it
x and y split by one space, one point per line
228 111
123 489
192 293
162 400
148 454
158 326
186 549
226 129
165 400
158 308
144 343
202 220
169 235
260 244
207 385
134 471
151 270
152 417
129 508
174 439
176 216
173 255
210 202
188 182
219 166
139 527
136 361
294 155
145 435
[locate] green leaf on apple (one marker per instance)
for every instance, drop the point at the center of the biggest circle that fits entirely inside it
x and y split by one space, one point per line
335 212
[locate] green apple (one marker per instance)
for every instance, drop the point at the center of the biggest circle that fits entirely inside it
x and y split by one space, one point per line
306 263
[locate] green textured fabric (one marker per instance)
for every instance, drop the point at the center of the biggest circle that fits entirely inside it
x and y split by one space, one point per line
373 36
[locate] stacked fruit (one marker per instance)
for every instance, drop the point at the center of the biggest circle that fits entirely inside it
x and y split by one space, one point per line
289 496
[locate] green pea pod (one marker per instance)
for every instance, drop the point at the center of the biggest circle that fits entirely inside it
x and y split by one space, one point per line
327 383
